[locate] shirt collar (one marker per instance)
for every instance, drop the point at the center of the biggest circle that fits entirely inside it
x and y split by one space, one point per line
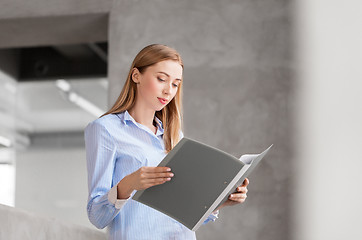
125 117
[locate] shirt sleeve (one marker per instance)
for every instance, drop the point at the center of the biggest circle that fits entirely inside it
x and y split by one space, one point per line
103 204
181 134
112 198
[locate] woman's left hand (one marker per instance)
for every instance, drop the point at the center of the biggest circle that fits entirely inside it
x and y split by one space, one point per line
239 196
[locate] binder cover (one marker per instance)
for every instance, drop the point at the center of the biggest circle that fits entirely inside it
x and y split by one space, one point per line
204 177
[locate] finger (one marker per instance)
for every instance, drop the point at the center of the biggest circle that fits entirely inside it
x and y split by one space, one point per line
242 189
157 180
245 183
158 175
152 182
156 169
239 200
238 196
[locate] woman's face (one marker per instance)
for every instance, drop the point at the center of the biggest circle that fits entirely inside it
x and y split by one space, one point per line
158 84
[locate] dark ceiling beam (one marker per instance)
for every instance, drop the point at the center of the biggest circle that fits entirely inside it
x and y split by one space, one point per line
47 63
99 51
78 51
9 62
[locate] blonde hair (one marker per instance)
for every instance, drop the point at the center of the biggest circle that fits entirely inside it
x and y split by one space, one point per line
171 114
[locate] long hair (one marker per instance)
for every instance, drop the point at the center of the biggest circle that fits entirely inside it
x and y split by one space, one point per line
171 114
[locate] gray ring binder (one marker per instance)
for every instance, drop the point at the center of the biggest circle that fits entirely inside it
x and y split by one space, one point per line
204 178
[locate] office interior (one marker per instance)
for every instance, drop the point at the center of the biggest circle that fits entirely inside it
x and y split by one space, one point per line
256 73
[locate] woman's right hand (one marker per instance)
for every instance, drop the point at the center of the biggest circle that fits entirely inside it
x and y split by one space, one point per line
146 177
143 178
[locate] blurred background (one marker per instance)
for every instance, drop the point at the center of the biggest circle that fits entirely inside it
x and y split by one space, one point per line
256 73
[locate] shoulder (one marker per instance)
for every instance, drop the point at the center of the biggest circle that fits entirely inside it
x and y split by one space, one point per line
105 123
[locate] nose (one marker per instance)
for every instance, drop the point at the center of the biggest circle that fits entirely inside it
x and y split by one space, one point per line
167 88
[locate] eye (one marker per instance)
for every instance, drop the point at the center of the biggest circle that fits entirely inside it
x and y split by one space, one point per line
160 79
175 85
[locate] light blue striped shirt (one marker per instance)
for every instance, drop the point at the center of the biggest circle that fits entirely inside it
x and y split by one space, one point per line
117 145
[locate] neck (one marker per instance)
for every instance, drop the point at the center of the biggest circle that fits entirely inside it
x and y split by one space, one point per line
144 116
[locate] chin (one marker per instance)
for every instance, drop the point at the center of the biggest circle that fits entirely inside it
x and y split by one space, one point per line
160 108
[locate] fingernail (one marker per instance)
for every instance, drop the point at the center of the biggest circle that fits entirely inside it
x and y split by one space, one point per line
231 195
168 179
171 174
168 169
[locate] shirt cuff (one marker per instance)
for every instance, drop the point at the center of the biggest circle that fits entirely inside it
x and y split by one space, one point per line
214 215
112 198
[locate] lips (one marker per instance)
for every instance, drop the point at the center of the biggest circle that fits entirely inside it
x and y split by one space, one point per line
163 100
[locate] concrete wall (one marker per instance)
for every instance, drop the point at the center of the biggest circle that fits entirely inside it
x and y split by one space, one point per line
13 9
238 91
52 22
19 224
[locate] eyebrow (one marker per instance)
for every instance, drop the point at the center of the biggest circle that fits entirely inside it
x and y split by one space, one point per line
169 76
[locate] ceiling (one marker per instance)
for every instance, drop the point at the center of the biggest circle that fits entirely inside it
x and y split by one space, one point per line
38 107
39 46
55 88
43 107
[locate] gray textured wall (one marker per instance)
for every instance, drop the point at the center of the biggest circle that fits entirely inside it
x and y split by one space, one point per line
12 9
52 22
238 87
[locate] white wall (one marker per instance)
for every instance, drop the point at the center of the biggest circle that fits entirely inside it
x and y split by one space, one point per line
52 182
329 116
19 224
8 89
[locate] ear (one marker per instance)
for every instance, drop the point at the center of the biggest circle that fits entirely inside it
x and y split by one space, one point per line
135 75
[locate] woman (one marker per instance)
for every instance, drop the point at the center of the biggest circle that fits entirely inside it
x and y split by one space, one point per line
124 146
